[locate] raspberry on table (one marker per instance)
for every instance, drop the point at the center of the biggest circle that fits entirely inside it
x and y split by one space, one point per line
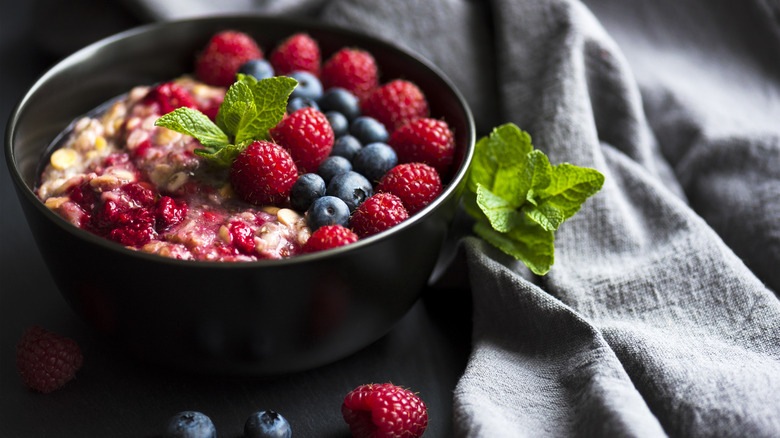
417 184
352 69
378 213
263 174
46 361
224 54
396 103
329 236
384 411
308 136
298 52
425 140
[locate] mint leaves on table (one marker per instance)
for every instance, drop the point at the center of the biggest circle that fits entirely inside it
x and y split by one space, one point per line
519 199
250 109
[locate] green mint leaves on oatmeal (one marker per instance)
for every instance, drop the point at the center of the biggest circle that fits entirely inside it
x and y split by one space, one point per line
250 109
519 199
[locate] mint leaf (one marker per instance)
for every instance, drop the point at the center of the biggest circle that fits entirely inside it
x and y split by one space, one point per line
237 109
221 156
194 123
519 199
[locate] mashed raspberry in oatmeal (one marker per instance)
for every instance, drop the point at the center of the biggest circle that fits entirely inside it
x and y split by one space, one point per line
119 176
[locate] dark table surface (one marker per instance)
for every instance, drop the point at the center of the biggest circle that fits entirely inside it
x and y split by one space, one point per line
116 396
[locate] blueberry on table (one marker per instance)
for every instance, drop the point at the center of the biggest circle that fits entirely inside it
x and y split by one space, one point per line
327 210
257 68
305 190
346 146
374 160
342 101
190 424
308 85
332 166
351 187
368 130
267 424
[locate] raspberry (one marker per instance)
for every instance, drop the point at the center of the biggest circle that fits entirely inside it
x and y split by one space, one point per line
263 174
46 360
169 96
168 213
425 140
417 184
352 69
134 227
308 136
329 236
296 53
378 213
384 411
242 236
395 104
224 54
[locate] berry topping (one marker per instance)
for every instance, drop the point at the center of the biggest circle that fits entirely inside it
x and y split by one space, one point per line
332 166
425 140
384 410
242 237
263 174
340 100
338 122
168 213
306 189
378 213
224 54
308 136
169 96
351 187
298 52
257 68
134 227
346 146
327 210
352 69
46 360
374 160
190 424
329 236
417 184
395 104
298 102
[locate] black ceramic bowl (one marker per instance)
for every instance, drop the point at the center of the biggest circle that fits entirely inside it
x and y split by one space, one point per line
261 317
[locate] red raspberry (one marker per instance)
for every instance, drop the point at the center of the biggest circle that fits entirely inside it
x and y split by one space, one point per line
46 360
134 227
298 52
329 236
220 60
417 184
263 174
308 136
353 69
396 103
168 213
169 96
384 411
378 213
425 140
242 236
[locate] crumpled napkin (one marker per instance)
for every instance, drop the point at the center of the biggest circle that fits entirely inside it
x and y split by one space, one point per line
660 316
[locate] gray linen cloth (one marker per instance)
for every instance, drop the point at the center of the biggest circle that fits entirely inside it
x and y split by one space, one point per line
660 315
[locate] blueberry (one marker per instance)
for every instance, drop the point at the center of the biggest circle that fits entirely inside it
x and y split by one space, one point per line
296 103
257 68
374 160
308 85
327 210
351 187
190 424
368 130
338 122
341 100
346 146
332 166
267 424
306 189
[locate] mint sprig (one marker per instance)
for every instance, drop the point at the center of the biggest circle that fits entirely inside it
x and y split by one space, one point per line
250 109
519 199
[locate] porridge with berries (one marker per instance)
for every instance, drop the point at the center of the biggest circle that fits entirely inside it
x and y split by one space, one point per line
347 156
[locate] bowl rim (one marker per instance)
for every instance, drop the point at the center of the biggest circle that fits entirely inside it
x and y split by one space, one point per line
306 23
